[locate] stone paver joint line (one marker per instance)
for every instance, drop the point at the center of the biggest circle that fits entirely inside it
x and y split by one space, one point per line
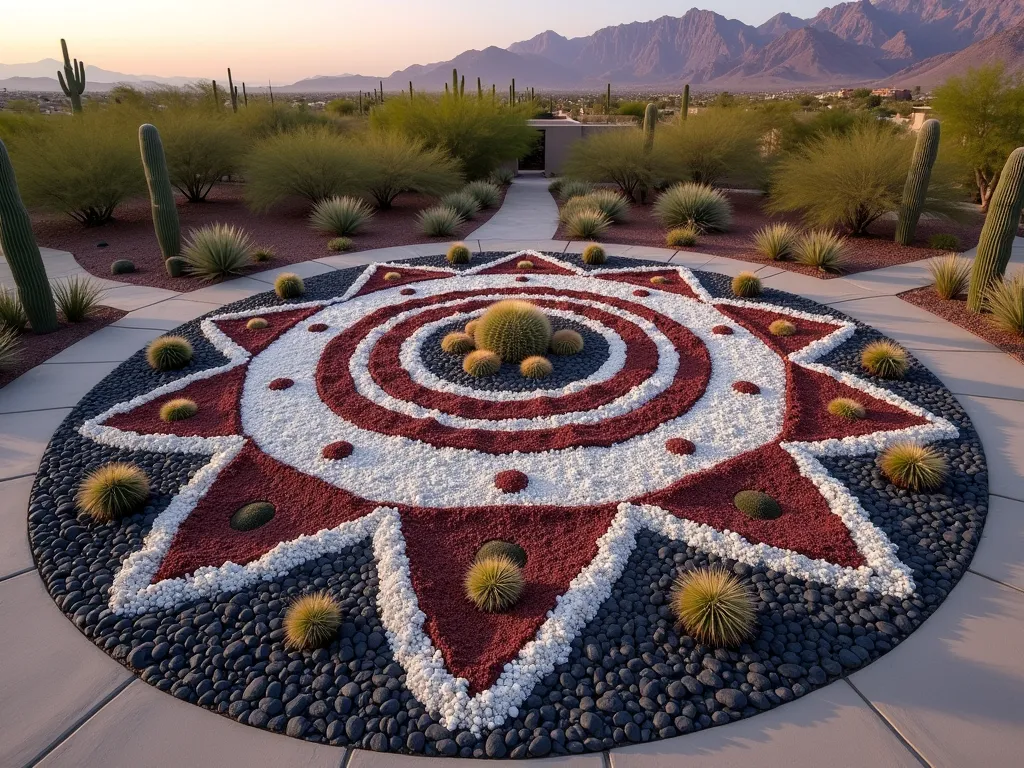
889 725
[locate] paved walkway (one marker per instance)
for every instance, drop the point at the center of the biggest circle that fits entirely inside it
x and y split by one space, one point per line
528 213
950 695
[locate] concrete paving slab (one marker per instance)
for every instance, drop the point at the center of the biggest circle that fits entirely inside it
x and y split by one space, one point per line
110 344
361 758
892 280
691 259
165 315
832 291
142 726
649 253
528 211
47 386
52 678
25 437
512 245
913 327
15 554
733 267
230 290
952 689
346 260
303 269
1002 541
1001 426
829 727
985 374
578 246
438 248
128 297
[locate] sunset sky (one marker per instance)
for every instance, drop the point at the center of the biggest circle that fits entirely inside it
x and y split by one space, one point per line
288 40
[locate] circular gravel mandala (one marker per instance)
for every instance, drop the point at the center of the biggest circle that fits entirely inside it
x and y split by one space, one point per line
377 473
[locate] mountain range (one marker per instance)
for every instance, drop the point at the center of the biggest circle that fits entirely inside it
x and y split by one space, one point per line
902 42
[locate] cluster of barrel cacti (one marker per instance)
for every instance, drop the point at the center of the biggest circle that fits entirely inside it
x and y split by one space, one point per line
916 190
161 196
996 244
72 80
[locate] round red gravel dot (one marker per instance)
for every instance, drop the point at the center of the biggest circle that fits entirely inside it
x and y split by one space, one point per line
722 330
511 481
317 328
680 446
338 450
747 387
641 292
407 291
278 384
522 279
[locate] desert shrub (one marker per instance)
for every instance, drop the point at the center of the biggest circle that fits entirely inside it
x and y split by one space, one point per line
681 237
261 120
10 348
83 167
478 133
571 188
513 330
757 505
113 491
395 163
845 408
494 584
822 249
463 202
12 313
217 250
593 255
458 343
338 244
712 146
586 223
746 285
76 297
612 204
714 607
122 267
950 275
914 467
439 221
311 621
782 328
178 409
342 216
481 362
201 147
487 194
616 157
458 253
776 242
1005 300
566 342
536 367
694 205
885 359
943 242
168 353
311 163
341 107
288 285
502 177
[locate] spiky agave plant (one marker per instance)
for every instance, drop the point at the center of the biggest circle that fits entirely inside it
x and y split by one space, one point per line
311 621
694 205
913 466
217 250
113 491
76 297
342 215
714 607
494 584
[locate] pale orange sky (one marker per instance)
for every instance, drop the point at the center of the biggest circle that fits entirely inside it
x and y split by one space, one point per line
287 40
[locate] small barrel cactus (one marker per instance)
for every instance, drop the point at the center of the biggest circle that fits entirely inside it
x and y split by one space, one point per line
494 584
996 244
757 505
257 324
918 179
885 359
122 267
289 286
458 344
509 549
178 409
566 342
536 367
161 195
514 330
746 285
458 254
481 363
594 255
169 353
176 266
252 516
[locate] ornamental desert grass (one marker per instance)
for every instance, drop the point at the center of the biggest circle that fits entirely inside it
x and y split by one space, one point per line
682 237
942 242
848 409
950 275
914 467
822 249
776 242
169 353
593 255
113 491
536 367
311 621
746 285
570 188
439 221
263 253
458 253
10 348
463 202
179 409
76 298
339 244
288 285
621 158
612 204
342 216
566 342
217 251
1005 300
502 177
694 205
586 224
487 195
885 359
12 313
714 607
397 163
494 584
782 328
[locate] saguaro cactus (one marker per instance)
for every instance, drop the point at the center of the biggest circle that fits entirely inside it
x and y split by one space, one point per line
608 100
381 91
245 96
462 86
996 244
410 90
513 90
161 196
216 99
650 121
684 110
455 81
916 190
232 92
22 253
72 80
479 90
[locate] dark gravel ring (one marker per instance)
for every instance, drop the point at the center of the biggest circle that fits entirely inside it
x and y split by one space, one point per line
631 676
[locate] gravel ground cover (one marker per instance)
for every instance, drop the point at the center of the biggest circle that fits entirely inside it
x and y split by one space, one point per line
629 674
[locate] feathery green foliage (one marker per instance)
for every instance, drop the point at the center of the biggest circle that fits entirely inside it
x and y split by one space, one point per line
714 607
201 147
776 242
950 275
76 297
113 491
694 205
502 177
463 202
487 194
616 157
914 467
395 163
12 314
885 359
612 204
217 250
712 147
494 584
342 216
1005 300
513 330
168 353
311 621
439 221
823 249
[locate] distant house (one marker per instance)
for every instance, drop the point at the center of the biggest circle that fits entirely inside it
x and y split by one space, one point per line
896 94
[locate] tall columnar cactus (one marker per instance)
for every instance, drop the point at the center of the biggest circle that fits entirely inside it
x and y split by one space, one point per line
650 121
216 99
232 92
479 90
22 253
271 87
455 81
494 93
513 90
410 90
72 80
381 91
245 96
161 196
996 244
684 110
916 189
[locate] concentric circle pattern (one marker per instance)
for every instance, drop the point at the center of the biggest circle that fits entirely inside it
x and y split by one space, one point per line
342 449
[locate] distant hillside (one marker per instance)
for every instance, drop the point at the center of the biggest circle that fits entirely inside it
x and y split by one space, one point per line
44 84
48 68
1006 47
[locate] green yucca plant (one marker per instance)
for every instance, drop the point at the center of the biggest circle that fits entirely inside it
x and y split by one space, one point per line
487 194
914 467
10 348
950 275
822 249
1005 300
12 314
776 242
714 607
586 224
694 205
76 297
439 221
311 621
113 491
885 359
217 251
494 584
465 203
342 216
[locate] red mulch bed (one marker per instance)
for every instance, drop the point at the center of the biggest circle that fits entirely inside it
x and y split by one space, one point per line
39 349
865 253
956 312
285 228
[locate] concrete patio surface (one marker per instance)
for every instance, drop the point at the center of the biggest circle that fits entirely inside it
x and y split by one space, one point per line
950 695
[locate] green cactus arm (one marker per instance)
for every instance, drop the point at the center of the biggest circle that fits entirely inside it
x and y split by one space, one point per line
80 65
915 192
996 243
650 121
63 85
